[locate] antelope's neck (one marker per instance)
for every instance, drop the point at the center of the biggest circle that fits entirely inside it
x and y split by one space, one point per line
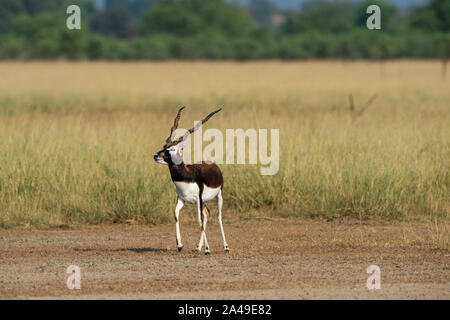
179 172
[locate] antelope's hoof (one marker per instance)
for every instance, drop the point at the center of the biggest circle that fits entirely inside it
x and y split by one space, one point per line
197 250
226 249
180 248
207 252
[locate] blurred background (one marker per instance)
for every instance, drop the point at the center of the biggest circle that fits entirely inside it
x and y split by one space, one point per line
221 29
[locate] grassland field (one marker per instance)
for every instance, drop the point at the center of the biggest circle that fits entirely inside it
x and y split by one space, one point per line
77 139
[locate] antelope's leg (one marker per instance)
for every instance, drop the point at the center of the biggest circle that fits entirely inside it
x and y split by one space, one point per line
180 204
219 218
200 222
205 221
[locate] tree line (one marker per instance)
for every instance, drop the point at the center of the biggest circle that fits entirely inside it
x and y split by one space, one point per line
219 29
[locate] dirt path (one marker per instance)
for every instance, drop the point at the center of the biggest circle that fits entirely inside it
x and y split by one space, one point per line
283 259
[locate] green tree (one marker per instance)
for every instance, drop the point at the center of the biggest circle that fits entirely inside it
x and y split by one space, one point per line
307 45
33 7
171 19
9 9
441 9
137 8
262 11
435 16
119 22
322 16
188 17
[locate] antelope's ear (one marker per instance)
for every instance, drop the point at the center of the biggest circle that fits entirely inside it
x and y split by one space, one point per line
181 147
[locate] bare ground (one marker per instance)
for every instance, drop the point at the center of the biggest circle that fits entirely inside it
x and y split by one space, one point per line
269 259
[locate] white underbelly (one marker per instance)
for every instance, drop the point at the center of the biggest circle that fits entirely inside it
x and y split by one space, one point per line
188 192
209 193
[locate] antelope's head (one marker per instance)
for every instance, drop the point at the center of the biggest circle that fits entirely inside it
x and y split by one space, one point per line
172 151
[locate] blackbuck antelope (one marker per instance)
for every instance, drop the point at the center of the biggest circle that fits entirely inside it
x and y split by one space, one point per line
194 183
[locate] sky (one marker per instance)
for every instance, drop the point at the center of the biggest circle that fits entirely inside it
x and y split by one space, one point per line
295 4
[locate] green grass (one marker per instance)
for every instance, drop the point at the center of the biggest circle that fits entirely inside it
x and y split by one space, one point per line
75 158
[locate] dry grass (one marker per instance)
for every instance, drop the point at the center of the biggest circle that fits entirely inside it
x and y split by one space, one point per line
78 138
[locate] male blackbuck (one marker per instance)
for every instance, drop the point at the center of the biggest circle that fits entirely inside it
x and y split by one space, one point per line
194 183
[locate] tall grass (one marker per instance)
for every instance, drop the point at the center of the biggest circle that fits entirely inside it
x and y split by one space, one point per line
76 140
